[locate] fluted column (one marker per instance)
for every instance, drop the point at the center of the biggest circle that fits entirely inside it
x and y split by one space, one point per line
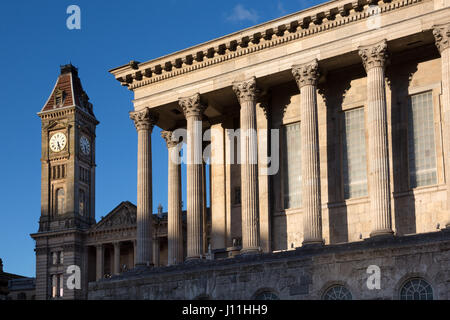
374 58
246 93
307 76
193 111
442 37
116 257
99 262
175 230
144 121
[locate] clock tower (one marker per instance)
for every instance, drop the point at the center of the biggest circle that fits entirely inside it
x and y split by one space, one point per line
67 187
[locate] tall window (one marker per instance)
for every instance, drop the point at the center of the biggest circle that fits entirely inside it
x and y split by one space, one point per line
354 154
60 199
83 205
292 175
57 285
421 147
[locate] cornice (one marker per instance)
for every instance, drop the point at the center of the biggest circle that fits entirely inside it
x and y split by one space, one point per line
135 75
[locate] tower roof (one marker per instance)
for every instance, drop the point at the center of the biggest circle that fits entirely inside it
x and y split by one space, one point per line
68 92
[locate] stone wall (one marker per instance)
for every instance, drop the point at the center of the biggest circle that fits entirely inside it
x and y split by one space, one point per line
304 273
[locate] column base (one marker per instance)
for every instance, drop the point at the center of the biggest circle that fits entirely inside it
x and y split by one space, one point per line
194 258
143 265
382 234
250 251
313 243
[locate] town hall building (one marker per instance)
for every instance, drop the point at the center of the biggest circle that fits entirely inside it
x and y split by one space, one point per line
327 136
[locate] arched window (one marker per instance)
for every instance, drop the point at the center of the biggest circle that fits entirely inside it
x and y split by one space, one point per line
337 292
60 201
416 289
266 295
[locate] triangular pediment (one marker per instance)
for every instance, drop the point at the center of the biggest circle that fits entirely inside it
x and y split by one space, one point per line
124 215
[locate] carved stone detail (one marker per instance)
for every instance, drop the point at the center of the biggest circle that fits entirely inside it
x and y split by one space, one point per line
375 55
264 103
307 73
441 35
246 90
192 106
144 120
167 136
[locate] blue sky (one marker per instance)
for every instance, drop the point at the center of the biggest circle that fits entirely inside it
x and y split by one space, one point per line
35 42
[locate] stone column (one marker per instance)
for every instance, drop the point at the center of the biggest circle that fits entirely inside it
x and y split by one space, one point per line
246 93
99 262
442 35
307 76
116 257
144 121
218 188
193 111
174 215
374 58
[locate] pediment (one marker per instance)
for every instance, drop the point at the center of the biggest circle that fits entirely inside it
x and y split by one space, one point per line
55 125
124 215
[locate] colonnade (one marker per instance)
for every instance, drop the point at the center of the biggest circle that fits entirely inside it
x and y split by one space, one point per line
374 59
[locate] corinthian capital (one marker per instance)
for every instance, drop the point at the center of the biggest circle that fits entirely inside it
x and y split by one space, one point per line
167 135
192 106
307 73
246 90
374 55
441 35
144 119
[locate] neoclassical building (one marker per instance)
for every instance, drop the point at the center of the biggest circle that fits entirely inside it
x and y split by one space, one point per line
327 133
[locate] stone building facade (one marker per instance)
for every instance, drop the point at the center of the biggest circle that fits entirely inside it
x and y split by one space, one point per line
342 173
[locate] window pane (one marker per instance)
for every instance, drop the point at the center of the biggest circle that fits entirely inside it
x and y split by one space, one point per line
421 147
354 154
61 285
54 285
292 166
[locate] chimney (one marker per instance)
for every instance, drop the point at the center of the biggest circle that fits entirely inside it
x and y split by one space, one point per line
1 265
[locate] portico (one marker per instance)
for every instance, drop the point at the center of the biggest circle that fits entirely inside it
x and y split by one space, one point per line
315 78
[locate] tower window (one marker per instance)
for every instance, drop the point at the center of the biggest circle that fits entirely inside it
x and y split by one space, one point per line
57 285
60 201
354 154
59 97
421 146
83 204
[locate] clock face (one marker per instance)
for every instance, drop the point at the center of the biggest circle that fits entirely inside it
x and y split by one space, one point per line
58 142
85 145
